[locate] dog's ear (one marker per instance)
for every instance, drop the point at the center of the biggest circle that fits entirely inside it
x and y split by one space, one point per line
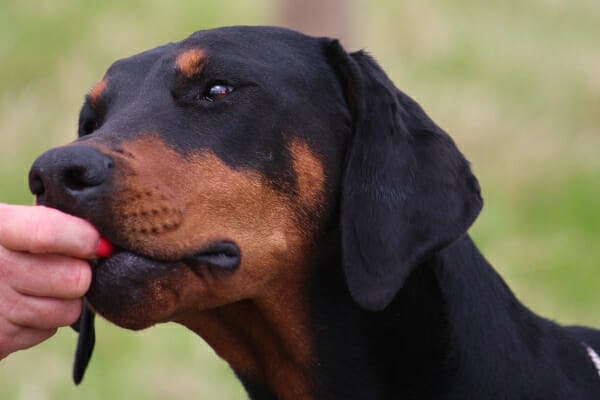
407 191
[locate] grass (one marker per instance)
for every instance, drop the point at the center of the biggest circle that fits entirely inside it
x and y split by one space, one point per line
516 83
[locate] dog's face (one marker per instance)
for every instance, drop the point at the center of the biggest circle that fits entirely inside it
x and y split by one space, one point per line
217 163
212 165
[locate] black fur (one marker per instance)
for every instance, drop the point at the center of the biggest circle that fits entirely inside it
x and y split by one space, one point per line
406 191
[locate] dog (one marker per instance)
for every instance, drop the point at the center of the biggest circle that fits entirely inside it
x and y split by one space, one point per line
281 198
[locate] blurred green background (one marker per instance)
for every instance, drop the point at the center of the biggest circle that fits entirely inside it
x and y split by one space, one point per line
516 83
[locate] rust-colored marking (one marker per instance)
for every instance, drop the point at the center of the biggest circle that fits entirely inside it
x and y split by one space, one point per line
201 199
169 206
190 62
264 339
96 92
188 202
309 172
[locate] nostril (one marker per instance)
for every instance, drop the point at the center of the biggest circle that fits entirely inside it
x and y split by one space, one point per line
80 177
36 185
67 176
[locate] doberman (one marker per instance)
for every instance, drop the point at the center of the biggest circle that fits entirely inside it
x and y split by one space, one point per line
281 198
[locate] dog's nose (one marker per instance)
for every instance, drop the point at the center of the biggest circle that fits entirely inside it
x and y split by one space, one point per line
64 176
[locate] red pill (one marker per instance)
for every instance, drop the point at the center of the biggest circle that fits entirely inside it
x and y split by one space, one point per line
105 248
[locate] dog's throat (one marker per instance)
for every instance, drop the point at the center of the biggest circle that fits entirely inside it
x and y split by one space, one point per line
235 331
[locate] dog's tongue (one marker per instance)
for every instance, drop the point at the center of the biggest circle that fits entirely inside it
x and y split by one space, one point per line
85 324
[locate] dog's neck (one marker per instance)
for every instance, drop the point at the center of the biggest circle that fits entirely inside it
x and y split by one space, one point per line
311 340
454 320
361 354
265 341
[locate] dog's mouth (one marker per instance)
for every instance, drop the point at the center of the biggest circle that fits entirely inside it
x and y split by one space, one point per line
219 255
134 290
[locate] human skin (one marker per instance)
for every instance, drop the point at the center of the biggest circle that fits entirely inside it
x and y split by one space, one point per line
43 273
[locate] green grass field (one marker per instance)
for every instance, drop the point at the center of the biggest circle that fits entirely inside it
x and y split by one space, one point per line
516 83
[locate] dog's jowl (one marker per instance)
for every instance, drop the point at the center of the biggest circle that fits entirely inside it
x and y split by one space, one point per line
281 198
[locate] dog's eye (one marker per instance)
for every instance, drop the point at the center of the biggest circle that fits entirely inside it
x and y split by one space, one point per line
217 92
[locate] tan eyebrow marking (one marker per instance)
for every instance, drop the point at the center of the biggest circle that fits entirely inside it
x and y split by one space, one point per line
96 92
190 62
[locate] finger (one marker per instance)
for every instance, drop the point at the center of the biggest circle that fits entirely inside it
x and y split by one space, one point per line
39 229
45 275
40 312
46 313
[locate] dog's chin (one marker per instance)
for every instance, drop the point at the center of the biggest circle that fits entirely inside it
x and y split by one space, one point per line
135 292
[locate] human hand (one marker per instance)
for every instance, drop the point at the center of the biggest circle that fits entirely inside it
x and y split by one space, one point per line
43 273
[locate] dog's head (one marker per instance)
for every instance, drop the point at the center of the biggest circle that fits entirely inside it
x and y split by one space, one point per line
216 164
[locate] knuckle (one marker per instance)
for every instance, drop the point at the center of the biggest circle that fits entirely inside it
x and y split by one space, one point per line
62 313
72 312
6 264
33 238
15 309
78 278
42 238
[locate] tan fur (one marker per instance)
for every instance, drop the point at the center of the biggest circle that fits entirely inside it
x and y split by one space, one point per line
169 207
309 174
190 62
96 92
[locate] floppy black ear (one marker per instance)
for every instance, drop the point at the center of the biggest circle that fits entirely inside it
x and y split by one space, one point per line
407 191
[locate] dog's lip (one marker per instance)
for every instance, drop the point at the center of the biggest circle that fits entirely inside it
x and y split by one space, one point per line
122 257
222 255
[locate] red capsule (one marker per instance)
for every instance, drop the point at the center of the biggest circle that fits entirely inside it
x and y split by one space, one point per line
105 248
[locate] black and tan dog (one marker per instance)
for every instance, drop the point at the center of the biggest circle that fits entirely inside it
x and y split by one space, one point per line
285 201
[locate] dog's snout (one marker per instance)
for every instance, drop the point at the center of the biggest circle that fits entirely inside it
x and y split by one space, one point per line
63 175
